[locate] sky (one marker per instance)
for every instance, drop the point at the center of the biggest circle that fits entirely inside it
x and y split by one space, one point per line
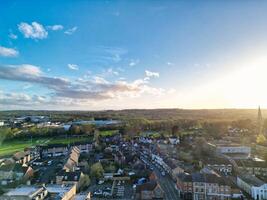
98 55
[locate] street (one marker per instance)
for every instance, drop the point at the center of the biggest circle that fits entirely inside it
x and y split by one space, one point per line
166 182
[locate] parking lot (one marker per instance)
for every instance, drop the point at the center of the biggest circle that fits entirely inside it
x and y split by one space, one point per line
121 190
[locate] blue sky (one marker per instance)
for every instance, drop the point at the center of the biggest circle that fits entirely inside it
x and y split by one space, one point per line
132 54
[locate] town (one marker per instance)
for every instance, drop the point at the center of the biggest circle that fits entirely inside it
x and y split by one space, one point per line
106 159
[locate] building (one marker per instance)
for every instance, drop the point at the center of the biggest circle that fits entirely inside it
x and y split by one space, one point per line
85 148
62 192
15 172
25 193
54 150
257 168
255 187
233 149
184 185
199 186
73 160
150 190
221 165
70 178
23 157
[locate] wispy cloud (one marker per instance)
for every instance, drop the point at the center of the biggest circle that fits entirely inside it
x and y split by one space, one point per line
12 36
33 30
56 27
73 66
8 52
71 30
133 62
170 63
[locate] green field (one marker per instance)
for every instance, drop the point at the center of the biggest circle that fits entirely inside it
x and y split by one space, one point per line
108 133
8 148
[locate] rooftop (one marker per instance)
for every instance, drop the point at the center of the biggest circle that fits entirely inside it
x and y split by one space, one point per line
23 191
251 180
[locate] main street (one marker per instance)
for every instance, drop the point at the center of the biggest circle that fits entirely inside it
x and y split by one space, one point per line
166 182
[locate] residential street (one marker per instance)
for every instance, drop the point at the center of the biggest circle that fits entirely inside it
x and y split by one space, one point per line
167 185
165 182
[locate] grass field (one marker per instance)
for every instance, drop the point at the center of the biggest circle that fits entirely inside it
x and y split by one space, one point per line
108 133
10 147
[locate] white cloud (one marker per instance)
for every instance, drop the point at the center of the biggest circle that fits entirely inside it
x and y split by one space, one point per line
13 36
71 30
151 74
34 30
27 69
56 27
133 63
100 80
73 66
170 63
8 52
80 92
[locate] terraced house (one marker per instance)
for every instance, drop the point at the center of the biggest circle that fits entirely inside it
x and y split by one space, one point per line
200 186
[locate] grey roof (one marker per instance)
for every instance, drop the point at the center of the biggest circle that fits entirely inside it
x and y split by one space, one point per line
251 180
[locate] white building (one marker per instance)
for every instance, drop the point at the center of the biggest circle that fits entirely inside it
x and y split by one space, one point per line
25 193
234 149
253 186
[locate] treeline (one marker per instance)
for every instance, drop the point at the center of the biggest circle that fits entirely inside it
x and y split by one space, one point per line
153 114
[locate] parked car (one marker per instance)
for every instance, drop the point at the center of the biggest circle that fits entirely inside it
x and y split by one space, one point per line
98 193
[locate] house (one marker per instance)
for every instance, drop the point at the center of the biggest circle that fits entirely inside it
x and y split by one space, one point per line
63 192
219 164
34 152
70 177
174 140
184 186
258 168
202 186
26 193
54 150
23 157
149 190
73 160
173 167
84 148
15 172
255 187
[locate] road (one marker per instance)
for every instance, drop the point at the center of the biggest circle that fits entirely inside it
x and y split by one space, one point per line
166 183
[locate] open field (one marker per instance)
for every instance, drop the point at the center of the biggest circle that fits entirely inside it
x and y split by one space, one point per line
108 133
10 147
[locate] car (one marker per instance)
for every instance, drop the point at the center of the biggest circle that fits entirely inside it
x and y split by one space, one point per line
108 188
100 182
107 194
98 193
163 173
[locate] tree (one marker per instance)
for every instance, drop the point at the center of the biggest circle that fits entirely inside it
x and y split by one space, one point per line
175 130
261 139
75 130
85 181
87 129
97 170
